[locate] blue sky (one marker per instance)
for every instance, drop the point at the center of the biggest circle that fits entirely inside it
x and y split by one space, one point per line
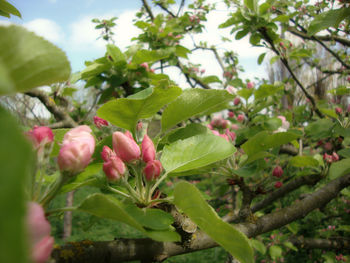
67 23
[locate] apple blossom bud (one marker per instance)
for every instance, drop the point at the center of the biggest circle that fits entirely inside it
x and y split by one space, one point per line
114 168
145 65
125 147
224 124
224 136
328 158
139 126
335 157
107 153
210 126
74 157
240 118
99 122
231 114
152 170
236 101
230 135
234 127
277 171
338 110
278 184
81 133
215 132
231 90
216 121
39 233
148 150
40 135
250 85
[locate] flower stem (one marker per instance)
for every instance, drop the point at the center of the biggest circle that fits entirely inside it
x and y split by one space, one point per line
161 179
113 190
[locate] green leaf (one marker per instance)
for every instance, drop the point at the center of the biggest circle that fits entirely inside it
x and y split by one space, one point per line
251 4
256 156
281 18
290 245
344 152
261 58
108 207
96 157
6 7
275 252
342 90
195 152
150 56
192 203
339 168
116 54
211 79
15 160
87 177
181 51
255 39
245 93
151 218
319 129
184 133
194 102
28 61
126 112
265 140
328 112
94 69
266 90
302 161
258 245
331 18
241 34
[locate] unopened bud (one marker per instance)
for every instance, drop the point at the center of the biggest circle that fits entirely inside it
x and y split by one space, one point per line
277 171
152 170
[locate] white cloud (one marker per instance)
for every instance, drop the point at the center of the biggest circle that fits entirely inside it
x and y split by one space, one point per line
47 29
83 34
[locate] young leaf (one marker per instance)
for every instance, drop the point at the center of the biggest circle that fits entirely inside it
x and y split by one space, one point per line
264 140
302 161
330 18
339 169
7 8
194 102
195 152
28 61
192 203
126 112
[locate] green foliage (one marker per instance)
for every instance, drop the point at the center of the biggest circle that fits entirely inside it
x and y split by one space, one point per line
205 101
32 61
15 164
190 200
102 205
126 112
195 152
6 9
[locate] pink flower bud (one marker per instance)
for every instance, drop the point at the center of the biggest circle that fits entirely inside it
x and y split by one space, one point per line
80 134
236 101
215 132
240 118
250 85
40 135
335 157
234 127
148 150
216 121
114 168
231 114
328 146
145 65
99 122
224 124
278 184
231 90
139 126
328 158
107 153
152 170
210 126
230 135
74 157
277 171
39 233
224 136
338 110
125 147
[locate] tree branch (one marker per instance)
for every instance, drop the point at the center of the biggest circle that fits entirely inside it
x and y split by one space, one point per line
148 9
60 115
337 243
147 249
